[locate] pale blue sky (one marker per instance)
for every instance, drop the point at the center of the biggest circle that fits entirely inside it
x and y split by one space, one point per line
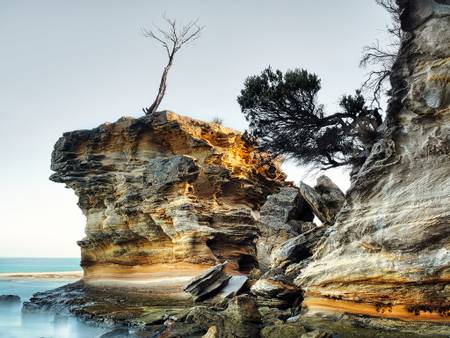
68 65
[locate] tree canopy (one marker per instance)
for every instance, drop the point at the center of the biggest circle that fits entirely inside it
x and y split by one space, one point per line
285 118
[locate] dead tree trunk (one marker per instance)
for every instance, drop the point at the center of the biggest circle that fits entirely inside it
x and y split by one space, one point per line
172 40
162 89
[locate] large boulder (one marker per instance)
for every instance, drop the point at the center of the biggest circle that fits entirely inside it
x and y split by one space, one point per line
9 299
276 286
165 193
287 237
325 199
283 216
298 248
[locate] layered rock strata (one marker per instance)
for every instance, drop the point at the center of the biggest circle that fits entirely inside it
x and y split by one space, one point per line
288 237
283 216
165 192
208 283
388 254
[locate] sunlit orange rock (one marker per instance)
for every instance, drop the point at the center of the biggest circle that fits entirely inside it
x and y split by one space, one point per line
166 191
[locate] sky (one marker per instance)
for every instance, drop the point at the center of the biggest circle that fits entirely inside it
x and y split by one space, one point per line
67 65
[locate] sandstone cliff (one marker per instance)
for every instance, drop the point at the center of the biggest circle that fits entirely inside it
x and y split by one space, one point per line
388 254
172 196
165 192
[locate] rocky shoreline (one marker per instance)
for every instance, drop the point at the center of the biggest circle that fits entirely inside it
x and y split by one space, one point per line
180 210
138 313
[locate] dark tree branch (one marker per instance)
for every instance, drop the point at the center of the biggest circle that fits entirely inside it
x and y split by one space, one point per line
285 119
382 59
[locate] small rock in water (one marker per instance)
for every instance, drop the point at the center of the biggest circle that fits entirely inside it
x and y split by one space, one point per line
116 333
9 299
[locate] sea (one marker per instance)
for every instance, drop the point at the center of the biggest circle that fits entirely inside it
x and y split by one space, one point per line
15 324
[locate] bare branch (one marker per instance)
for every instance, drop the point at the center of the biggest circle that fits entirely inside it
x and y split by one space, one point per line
382 58
151 34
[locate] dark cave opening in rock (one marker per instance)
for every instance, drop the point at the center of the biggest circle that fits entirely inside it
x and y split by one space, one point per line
301 253
238 252
247 263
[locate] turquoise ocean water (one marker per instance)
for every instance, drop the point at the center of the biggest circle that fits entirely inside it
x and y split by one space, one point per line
14 324
39 264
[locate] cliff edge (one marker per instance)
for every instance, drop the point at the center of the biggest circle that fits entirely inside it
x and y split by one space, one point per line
388 254
165 193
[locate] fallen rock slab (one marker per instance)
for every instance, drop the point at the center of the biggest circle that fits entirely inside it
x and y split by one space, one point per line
275 287
296 249
325 199
233 287
208 283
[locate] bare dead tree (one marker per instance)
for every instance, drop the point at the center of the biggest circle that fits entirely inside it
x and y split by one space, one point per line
382 58
171 38
217 120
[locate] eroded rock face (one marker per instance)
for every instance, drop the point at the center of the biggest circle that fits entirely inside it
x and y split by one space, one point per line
287 239
165 189
388 254
283 216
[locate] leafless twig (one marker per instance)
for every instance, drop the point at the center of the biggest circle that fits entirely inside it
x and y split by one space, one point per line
382 58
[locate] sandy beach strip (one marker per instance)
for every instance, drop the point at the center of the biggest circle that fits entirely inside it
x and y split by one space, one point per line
63 275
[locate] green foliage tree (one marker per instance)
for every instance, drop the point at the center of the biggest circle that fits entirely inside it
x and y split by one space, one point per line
285 118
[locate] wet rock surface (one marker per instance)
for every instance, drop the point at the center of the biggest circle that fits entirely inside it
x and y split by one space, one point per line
9 299
108 305
241 318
